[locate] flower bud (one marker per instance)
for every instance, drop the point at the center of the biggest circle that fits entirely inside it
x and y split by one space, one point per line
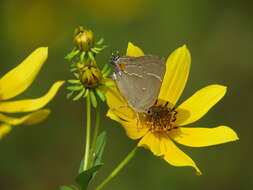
90 76
83 39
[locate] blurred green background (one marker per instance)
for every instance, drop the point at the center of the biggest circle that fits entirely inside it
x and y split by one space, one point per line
219 35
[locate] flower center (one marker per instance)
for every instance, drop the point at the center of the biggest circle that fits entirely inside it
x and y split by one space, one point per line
159 118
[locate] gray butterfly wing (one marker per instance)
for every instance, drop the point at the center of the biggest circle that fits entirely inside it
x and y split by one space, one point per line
140 81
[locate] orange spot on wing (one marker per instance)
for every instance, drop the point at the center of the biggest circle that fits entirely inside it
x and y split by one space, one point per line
121 67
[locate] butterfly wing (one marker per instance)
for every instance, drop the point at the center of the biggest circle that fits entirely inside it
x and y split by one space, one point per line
140 81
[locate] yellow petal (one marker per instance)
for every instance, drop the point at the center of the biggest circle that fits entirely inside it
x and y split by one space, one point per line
134 51
29 119
176 75
199 104
114 98
30 104
133 129
118 104
177 157
113 116
161 145
20 78
201 137
152 141
4 130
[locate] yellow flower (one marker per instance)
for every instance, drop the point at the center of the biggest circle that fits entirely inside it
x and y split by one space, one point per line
163 123
17 81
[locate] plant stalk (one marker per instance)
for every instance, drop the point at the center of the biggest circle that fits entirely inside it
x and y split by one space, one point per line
117 169
95 132
88 126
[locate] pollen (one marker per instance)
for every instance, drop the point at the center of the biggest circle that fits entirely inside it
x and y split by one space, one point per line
159 118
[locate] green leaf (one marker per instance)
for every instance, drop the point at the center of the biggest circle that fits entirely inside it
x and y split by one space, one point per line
73 64
101 94
106 73
73 69
91 56
71 55
79 95
93 99
97 49
100 41
74 81
86 93
105 67
94 50
82 56
102 48
109 84
66 188
99 148
81 166
75 88
84 178
69 94
76 75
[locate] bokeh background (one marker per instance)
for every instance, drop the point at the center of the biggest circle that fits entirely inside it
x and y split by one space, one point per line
219 35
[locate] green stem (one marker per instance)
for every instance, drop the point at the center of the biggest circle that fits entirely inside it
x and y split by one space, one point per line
118 168
95 133
88 126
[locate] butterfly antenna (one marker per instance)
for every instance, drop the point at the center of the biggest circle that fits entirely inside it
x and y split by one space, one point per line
114 57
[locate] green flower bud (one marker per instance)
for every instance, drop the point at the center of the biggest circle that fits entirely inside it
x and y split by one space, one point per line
83 39
90 76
